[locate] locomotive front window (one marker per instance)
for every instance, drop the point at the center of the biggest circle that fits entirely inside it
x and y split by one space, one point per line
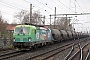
26 30
20 30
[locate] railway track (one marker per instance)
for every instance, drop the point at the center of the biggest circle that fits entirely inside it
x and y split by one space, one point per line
35 53
80 53
88 55
75 49
43 55
10 54
1 49
49 54
7 50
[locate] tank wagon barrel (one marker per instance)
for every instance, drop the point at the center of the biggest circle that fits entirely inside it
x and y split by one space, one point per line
69 34
56 35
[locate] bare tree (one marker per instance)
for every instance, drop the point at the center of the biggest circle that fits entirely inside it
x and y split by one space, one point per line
3 25
36 19
24 16
63 23
20 15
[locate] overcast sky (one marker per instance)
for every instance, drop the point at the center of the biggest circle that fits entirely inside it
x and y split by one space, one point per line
46 7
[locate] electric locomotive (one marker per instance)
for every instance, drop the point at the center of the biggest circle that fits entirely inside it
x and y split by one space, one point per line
27 36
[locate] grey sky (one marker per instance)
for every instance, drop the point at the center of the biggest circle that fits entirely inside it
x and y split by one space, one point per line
10 7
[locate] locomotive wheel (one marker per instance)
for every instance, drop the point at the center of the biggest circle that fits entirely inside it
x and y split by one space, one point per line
32 48
35 46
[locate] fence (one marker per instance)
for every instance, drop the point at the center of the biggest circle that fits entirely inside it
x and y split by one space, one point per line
5 43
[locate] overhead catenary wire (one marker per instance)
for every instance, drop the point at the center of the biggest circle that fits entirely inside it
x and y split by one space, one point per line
15 7
79 6
59 6
75 6
10 5
84 4
65 5
37 6
6 4
27 1
70 3
45 5
6 13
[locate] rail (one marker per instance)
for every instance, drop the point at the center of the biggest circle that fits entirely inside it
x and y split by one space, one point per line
58 50
88 54
80 50
69 52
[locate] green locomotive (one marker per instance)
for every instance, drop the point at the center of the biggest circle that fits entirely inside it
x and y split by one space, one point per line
27 36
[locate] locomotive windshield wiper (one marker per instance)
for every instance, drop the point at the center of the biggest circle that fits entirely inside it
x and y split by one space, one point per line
23 33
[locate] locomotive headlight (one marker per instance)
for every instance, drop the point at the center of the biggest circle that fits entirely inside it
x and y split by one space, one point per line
13 39
29 39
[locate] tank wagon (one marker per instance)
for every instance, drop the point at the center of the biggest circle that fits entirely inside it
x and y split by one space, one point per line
69 34
28 36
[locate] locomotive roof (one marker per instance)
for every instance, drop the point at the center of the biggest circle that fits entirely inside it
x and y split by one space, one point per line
25 26
34 25
41 28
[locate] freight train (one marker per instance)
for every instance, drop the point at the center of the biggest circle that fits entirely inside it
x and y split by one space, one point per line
28 36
